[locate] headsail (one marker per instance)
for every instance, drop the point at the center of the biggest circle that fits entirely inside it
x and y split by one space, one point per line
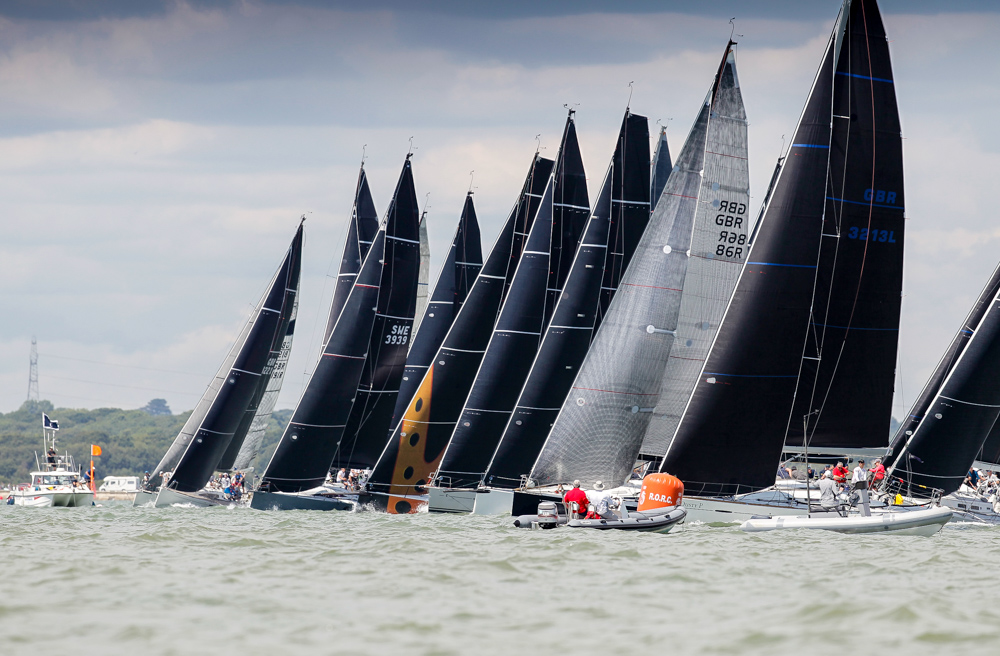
458 273
506 363
360 233
368 425
423 280
418 440
224 407
944 433
601 425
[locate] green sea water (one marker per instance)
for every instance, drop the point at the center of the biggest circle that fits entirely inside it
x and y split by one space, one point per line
119 580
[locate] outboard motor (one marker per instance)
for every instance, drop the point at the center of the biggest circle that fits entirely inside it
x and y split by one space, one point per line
548 515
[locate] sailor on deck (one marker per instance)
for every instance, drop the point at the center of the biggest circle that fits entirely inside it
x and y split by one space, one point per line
827 491
601 502
577 495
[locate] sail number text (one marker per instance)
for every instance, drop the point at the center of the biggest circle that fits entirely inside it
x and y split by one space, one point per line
731 242
864 234
399 335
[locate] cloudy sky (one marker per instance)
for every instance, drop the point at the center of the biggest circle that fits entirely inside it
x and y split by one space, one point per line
155 157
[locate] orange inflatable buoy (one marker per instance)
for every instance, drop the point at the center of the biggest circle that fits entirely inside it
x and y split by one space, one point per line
660 491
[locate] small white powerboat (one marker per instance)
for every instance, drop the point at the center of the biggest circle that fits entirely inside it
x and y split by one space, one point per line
927 521
57 481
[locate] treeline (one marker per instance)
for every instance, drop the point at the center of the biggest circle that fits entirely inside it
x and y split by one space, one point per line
132 441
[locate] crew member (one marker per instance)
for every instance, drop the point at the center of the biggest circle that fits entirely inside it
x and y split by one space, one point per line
827 491
859 476
878 473
576 495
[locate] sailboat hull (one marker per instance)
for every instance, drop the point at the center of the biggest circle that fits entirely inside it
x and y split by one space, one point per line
451 500
713 510
913 522
279 501
170 497
143 498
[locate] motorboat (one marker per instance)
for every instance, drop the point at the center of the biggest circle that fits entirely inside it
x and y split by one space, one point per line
56 481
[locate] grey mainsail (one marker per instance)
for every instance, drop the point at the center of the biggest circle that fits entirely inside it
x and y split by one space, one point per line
718 250
424 277
600 428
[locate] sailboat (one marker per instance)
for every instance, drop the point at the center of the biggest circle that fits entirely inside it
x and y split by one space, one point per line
346 376
659 169
225 412
807 347
610 239
600 428
398 482
950 421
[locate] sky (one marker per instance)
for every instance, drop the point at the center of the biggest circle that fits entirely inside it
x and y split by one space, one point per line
155 157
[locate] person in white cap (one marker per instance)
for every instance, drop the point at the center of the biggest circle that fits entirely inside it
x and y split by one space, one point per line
600 502
580 497
827 491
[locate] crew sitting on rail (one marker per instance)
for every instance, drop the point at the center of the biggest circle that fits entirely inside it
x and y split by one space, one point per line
577 496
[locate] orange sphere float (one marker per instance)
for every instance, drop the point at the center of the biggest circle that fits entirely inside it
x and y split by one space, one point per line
660 491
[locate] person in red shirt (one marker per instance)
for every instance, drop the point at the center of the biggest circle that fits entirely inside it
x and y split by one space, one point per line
878 473
577 495
840 474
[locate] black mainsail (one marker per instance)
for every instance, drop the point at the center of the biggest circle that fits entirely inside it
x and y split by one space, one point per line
954 414
846 383
368 425
570 210
630 199
224 408
733 429
661 168
419 439
360 233
506 363
458 273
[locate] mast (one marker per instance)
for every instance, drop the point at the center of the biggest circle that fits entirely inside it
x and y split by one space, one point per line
360 233
567 338
505 363
419 438
629 202
198 448
457 275
570 211
368 425
601 425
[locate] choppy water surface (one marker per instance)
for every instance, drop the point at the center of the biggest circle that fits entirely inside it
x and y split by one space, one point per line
118 580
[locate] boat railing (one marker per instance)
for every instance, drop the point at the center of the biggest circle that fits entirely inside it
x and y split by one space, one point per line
912 491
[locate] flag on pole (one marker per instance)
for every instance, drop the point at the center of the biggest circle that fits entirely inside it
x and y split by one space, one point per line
49 423
94 450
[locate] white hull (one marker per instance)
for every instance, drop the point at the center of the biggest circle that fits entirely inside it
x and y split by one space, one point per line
493 501
971 508
903 522
451 500
144 498
59 497
169 497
